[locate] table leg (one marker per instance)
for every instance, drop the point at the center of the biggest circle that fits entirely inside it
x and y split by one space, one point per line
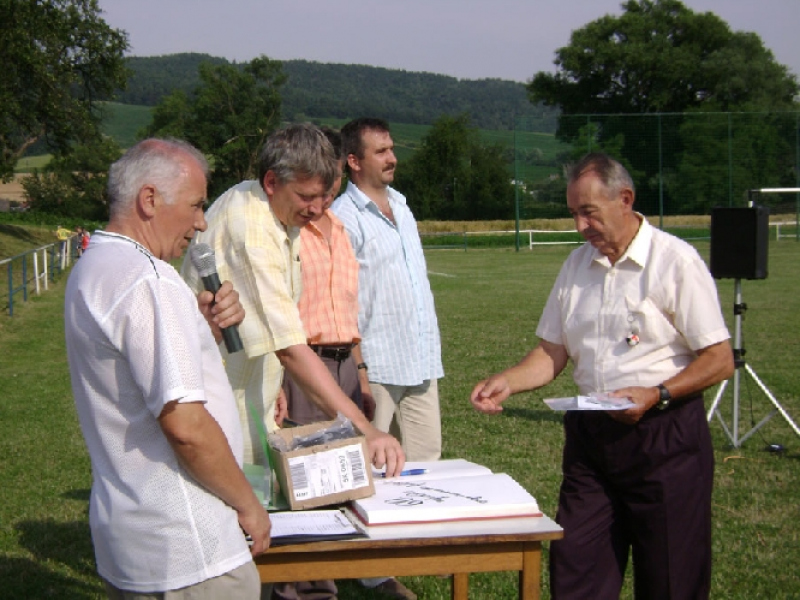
531 573
460 586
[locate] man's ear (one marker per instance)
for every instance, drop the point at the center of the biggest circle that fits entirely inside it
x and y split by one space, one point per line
146 200
353 163
270 183
627 196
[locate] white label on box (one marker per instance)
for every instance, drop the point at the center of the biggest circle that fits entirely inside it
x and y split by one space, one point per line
329 472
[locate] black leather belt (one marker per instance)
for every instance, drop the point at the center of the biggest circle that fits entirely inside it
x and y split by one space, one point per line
338 353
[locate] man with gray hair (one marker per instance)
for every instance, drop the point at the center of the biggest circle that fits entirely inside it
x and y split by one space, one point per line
170 505
254 230
637 313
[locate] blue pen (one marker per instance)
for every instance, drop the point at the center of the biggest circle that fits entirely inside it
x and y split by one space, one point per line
410 472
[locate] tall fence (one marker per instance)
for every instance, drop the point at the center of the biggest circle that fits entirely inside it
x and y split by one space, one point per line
34 270
682 164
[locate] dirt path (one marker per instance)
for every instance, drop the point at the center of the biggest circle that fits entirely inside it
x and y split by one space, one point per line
13 191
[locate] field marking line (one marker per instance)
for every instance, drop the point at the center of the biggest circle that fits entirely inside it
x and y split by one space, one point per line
441 274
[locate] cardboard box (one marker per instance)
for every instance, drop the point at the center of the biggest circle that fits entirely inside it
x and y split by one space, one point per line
328 473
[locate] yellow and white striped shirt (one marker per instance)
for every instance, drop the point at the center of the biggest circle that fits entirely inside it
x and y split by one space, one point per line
261 258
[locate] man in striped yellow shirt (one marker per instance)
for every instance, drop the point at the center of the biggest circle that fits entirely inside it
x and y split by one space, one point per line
254 230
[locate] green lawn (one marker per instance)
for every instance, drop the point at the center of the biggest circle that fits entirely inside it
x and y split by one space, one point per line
488 302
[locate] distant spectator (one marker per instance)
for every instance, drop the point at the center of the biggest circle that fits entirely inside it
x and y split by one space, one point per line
84 241
63 234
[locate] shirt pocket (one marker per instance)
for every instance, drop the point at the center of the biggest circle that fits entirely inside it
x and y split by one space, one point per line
649 322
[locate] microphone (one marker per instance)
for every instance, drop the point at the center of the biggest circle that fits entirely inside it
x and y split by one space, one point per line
203 260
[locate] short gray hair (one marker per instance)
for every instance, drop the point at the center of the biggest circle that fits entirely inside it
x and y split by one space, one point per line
159 162
299 151
614 176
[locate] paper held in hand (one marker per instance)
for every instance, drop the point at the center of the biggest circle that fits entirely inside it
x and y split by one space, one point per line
594 401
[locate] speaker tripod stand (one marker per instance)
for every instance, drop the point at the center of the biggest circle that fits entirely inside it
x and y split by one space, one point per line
738 355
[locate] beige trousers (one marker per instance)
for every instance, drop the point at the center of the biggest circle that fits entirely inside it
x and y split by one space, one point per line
242 582
412 415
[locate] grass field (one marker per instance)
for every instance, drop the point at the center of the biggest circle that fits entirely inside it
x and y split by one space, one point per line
488 302
124 121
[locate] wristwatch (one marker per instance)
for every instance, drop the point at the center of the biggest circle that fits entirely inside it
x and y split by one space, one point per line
664 397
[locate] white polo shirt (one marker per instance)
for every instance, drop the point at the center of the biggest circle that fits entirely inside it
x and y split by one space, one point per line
136 341
660 290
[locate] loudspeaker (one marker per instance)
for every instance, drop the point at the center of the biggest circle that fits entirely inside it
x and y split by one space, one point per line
739 242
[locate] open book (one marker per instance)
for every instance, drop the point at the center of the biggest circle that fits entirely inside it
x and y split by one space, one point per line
453 492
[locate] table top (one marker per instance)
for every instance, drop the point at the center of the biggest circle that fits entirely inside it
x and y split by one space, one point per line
513 529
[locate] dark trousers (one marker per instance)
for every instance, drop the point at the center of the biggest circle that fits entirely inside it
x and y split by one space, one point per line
645 488
302 410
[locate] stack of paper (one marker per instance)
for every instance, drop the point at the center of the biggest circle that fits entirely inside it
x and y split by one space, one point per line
465 491
311 526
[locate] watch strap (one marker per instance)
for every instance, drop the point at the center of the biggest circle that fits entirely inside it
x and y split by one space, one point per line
664 397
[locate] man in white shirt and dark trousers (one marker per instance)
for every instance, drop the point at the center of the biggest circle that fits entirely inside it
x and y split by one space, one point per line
170 505
400 341
637 313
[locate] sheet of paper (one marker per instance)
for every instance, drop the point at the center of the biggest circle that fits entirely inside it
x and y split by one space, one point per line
312 523
590 402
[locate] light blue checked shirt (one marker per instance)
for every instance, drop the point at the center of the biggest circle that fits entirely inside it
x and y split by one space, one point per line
397 318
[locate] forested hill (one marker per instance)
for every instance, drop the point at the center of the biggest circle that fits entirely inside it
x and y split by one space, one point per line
319 90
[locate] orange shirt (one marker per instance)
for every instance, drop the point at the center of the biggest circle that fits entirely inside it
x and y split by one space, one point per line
329 301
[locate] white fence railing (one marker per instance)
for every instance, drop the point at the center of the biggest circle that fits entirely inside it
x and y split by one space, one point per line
44 262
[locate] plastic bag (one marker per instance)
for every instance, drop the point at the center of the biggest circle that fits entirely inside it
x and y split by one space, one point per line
341 428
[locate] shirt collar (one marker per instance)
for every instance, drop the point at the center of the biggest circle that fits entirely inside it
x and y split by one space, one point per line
336 224
637 251
291 232
362 201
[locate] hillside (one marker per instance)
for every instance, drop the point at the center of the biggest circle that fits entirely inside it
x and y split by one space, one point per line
320 91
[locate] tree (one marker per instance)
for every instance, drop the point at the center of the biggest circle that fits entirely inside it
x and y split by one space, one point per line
453 176
74 184
660 56
228 116
59 60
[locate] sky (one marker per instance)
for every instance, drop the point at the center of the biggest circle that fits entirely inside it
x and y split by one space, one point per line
467 39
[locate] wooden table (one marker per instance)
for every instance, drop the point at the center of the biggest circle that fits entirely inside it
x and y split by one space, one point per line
456 548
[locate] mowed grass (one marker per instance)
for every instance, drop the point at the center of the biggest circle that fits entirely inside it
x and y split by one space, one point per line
488 303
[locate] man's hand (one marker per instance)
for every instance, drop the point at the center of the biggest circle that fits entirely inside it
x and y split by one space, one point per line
384 449
645 398
255 523
221 310
487 396
203 450
281 408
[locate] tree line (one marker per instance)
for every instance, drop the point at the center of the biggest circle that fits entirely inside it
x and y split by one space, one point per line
313 90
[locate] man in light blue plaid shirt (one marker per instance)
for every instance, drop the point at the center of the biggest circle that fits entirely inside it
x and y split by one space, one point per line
397 318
